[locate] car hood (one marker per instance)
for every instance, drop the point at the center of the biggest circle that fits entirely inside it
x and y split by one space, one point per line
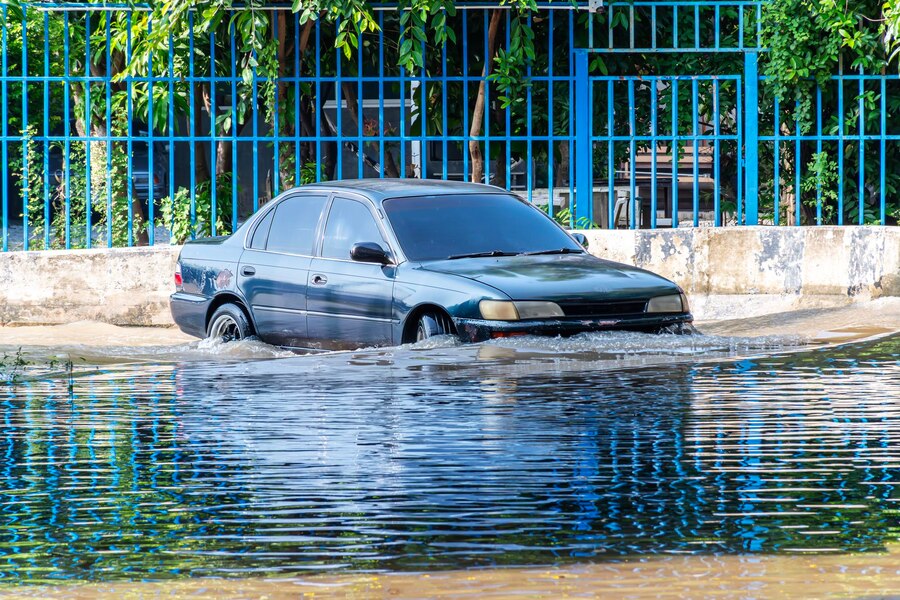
572 277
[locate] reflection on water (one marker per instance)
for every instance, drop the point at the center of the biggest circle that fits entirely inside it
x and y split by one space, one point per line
410 459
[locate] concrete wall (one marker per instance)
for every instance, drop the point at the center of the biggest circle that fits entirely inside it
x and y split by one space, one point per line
749 271
125 286
728 273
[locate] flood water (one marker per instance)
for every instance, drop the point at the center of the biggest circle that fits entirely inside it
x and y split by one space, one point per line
240 462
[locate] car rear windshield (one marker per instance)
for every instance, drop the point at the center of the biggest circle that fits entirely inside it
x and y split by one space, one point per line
439 227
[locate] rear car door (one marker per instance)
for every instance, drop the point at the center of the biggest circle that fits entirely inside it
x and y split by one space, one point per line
350 303
275 265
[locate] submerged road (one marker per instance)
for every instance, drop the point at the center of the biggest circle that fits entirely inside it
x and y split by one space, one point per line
757 460
853 321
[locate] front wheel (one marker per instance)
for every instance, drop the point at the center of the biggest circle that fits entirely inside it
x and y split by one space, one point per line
431 325
229 323
680 329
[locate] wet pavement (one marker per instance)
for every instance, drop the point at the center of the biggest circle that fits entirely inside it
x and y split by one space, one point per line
644 462
702 576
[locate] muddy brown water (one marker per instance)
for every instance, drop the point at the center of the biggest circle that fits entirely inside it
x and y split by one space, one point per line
720 577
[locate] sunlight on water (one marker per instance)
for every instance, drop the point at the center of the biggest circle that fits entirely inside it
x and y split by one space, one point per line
626 342
583 347
437 456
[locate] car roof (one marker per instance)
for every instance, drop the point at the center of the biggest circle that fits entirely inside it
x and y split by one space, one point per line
382 189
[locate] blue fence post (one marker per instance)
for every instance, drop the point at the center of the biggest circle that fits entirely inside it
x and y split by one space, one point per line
584 183
751 139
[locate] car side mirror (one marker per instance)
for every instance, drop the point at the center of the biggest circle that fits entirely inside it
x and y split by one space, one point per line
369 252
581 239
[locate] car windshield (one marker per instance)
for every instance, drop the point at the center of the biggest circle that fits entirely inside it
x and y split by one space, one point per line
457 226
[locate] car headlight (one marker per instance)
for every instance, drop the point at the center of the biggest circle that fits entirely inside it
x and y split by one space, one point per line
674 303
505 310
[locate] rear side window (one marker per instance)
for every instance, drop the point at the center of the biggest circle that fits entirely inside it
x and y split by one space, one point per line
261 235
294 225
349 222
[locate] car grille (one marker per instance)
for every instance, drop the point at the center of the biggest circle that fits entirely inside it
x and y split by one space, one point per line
602 309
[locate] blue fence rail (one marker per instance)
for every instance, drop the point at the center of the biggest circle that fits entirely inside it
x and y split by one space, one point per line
613 129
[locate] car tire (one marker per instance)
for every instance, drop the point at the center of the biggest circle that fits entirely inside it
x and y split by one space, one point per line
431 325
680 329
229 323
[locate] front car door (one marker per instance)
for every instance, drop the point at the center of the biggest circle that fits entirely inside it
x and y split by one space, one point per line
274 268
349 303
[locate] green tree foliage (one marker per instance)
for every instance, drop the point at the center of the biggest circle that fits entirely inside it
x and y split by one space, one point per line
810 41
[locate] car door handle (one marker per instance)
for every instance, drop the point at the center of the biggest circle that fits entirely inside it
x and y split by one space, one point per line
319 280
248 271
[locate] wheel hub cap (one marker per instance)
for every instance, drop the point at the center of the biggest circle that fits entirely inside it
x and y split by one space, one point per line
226 327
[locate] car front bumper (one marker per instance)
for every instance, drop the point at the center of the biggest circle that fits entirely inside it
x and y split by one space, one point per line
478 330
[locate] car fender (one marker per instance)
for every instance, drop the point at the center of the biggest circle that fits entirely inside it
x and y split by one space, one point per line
225 296
209 271
458 296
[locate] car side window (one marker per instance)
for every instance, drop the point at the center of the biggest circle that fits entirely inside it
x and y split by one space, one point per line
294 224
261 234
349 222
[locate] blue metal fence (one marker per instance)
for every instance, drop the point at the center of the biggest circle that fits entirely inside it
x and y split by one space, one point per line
645 114
630 134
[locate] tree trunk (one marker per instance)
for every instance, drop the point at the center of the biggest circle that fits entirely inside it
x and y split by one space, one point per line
201 105
790 195
331 152
330 156
203 170
477 123
98 157
807 213
502 164
289 159
347 87
97 128
78 100
389 165
307 128
286 126
223 159
137 212
562 167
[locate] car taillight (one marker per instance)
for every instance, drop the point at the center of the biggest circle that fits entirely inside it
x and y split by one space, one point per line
179 282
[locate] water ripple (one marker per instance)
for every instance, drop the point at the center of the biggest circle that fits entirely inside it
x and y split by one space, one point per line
447 457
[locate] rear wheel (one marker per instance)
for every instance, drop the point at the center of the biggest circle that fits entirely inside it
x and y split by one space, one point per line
431 325
229 323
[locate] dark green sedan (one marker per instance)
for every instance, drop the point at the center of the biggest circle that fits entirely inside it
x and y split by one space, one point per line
380 262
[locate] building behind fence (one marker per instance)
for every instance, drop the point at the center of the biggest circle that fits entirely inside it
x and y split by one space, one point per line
646 114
